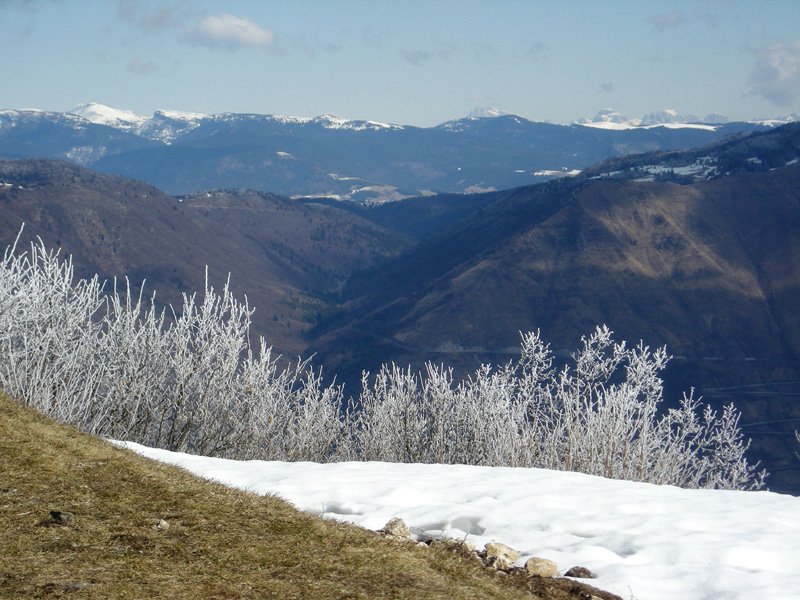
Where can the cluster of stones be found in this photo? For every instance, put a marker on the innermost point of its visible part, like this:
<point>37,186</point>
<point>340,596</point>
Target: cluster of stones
<point>494,555</point>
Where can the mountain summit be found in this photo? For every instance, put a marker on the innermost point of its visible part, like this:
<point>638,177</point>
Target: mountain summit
<point>105,115</point>
<point>486,112</point>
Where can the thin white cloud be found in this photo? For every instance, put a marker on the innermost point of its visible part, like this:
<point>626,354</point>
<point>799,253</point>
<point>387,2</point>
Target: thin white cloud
<point>539,51</point>
<point>142,68</point>
<point>666,21</point>
<point>151,17</point>
<point>372,38</point>
<point>224,30</point>
<point>415,57</point>
<point>707,18</point>
<point>776,75</point>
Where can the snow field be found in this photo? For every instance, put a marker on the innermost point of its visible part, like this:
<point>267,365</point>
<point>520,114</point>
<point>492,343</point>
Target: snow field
<point>644,541</point>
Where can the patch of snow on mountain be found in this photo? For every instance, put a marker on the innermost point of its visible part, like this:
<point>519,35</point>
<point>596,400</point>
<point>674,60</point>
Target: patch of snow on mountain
<point>18,111</point>
<point>703,168</point>
<point>105,115</point>
<point>612,120</point>
<point>686,126</point>
<point>333,122</point>
<point>182,115</point>
<point>457,125</point>
<point>330,121</point>
<point>371,125</point>
<point>608,118</point>
<point>10,118</point>
<point>551,173</point>
<point>290,120</point>
<point>777,121</point>
<point>608,125</point>
<point>486,112</point>
<point>641,540</point>
<point>168,125</point>
<point>84,155</point>
<point>663,117</point>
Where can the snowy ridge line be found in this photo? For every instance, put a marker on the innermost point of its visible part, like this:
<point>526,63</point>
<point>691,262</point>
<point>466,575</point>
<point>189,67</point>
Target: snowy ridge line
<point>641,540</point>
<point>168,125</point>
<point>610,119</point>
<point>182,121</point>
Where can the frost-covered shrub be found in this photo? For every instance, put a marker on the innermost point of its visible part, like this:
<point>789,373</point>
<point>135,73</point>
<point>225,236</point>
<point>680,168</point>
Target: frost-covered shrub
<point>585,419</point>
<point>599,416</point>
<point>47,333</point>
<point>188,379</point>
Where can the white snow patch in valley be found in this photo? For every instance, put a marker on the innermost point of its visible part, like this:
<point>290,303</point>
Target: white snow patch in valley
<point>562,173</point>
<point>633,125</point>
<point>684,126</point>
<point>609,125</point>
<point>643,541</point>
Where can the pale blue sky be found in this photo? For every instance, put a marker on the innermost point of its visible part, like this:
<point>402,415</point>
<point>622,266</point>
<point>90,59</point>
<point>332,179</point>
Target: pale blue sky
<point>408,62</point>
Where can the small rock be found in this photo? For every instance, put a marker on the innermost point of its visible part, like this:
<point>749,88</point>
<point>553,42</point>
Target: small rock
<point>162,525</point>
<point>68,586</point>
<point>62,518</point>
<point>78,586</point>
<point>496,549</point>
<point>396,528</point>
<point>541,567</point>
<point>501,563</point>
<point>580,573</point>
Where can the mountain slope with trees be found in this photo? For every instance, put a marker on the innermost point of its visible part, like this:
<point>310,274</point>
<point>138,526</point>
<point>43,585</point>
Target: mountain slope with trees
<point>285,256</point>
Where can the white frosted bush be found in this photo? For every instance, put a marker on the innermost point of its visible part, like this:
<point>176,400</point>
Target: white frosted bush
<point>47,333</point>
<point>188,379</point>
<point>600,417</point>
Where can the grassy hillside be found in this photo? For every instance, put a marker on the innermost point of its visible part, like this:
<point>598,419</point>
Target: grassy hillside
<point>220,543</point>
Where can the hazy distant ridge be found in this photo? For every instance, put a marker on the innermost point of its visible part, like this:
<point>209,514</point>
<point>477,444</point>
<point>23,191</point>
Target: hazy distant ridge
<point>363,161</point>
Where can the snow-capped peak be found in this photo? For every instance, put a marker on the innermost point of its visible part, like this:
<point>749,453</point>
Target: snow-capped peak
<point>333,122</point>
<point>105,115</point>
<point>164,125</point>
<point>608,118</point>
<point>486,112</point>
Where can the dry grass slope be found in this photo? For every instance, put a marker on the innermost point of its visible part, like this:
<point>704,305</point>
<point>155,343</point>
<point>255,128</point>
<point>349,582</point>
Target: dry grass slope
<point>220,543</point>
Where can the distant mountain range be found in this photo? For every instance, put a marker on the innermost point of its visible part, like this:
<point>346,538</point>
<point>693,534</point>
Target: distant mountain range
<point>363,161</point>
<point>695,248</point>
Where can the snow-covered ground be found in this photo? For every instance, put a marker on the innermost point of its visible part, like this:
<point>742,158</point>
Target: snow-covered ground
<point>644,542</point>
